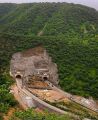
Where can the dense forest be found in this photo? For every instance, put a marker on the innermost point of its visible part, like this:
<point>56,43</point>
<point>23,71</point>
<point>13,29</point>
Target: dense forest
<point>47,19</point>
<point>69,32</point>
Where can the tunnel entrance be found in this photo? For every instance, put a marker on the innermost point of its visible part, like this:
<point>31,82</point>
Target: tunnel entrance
<point>45,78</point>
<point>18,76</point>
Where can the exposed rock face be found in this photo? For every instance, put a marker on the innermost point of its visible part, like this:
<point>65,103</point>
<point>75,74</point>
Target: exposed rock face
<point>36,62</point>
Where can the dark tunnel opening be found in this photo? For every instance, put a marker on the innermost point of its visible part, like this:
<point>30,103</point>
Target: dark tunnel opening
<point>18,76</point>
<point>45,78</point>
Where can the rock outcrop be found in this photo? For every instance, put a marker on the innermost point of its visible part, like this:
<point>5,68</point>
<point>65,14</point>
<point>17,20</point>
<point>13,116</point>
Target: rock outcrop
<point>35,61</point>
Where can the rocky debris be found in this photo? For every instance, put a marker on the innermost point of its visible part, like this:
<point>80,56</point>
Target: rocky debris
<point>35,61</point>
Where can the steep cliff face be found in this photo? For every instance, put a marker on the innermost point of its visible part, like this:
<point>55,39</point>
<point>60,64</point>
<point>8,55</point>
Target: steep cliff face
<point>35,62</point>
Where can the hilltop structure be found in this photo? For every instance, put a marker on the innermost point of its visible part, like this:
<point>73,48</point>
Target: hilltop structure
<point>34,62</point>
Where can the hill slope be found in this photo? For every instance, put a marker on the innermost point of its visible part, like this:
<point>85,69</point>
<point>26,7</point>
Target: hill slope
<point>77,60</point>
<point>47,19</point>
<point>76,27</point>
<point>69,33</point>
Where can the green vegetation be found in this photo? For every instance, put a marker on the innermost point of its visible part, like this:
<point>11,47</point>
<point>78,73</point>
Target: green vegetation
<point>69,33</point>
<point>76,60</point>
<point>32,115</point>
<point>59,19</point>
<point>76,109</point>
<point>6,99</point>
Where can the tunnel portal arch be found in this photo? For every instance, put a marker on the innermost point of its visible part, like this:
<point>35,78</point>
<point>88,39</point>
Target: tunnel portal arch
<point>18,76</point>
